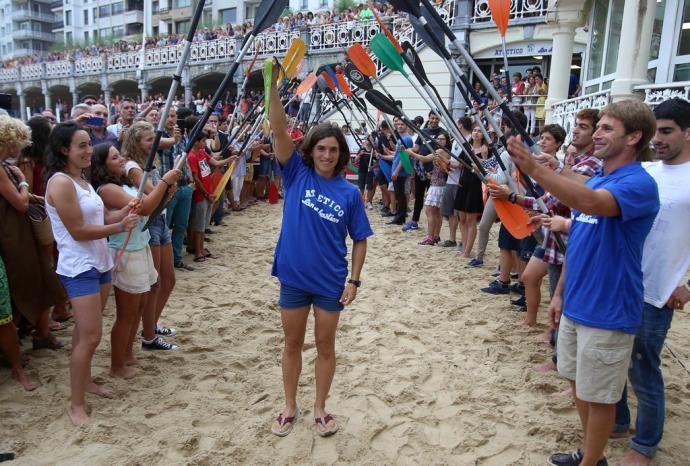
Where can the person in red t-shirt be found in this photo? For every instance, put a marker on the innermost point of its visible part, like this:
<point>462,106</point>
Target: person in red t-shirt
<point>200,163</point>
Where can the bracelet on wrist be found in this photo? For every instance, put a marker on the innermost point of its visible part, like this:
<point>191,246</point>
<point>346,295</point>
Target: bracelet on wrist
<point>512,198</point>
<point>23,184</point>
<point>166,183</point>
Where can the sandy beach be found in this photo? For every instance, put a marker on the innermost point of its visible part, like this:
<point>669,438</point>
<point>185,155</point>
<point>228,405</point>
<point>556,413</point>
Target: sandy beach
<point>430,371</point>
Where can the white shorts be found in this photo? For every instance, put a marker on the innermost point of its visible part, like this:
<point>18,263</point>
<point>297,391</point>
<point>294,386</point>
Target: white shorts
<point>136,273</point>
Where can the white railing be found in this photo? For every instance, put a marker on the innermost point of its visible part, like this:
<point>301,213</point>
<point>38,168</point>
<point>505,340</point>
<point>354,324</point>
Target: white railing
<point>519,9</point>
<point>403,33</point>
<point>88,65</point>
<point>58,69</point>
<point>9,74</point>
<point>654,94</point>
<point>34,71</point>
<point>344,34</point>
<point>127,61</point>
<point>564,112</point>
<point>26,14</point>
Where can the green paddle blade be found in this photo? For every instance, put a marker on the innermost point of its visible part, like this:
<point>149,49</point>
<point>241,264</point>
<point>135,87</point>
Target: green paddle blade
<point>384,49</point>
<point>353,168</point>
<point>406,163</point>
<point>268,76</point>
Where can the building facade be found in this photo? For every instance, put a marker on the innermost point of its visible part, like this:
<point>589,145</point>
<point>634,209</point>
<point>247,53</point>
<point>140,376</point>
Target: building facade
<point>26,27</point>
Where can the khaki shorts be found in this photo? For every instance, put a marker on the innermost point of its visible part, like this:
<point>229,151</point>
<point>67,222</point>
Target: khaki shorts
<point>596,359</point>
<point>136,272</point>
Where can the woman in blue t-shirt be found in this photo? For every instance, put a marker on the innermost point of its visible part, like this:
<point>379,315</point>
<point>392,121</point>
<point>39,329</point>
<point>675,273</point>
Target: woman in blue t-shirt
<point>321,208</point>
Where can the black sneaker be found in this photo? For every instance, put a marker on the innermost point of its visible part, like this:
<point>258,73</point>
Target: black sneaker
<point>158,343</point>
<point>521,301</point>
<point>518,288</point>
<point>571,459</point>
<point>165,331</point>
<point>497,287</point>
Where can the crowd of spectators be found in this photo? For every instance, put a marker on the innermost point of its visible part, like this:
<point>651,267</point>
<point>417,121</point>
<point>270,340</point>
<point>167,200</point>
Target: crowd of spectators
<point>292,21</point>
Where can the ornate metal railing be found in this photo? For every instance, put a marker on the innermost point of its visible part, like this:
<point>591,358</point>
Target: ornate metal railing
<point>519,10</point>
<point>564,112</point>
<point>58,69</point>
<point>318,38</point>
<point>403,32</point>
<point>654,94</point>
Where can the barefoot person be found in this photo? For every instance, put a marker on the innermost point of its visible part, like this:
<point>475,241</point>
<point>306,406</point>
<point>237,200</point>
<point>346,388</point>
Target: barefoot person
<point>80,227</point>
<point>601,283</point>
<point>321,207</point>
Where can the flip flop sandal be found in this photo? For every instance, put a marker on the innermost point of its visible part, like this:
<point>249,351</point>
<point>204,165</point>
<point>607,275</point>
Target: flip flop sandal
<point>56,326</point>
<point>322,422</point>
<point>285,420</point>
<point>200,259</point>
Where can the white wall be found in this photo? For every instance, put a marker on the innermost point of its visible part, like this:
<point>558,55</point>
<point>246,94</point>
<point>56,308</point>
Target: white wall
<point>312,5</point>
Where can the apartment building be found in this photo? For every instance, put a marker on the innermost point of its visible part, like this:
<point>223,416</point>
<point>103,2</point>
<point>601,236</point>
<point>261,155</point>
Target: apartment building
<point>26,27</point>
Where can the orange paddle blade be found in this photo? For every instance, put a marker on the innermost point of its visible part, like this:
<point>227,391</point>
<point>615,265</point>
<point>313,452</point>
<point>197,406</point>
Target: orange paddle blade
<point>513,217</point>
<point>384,28</point>
<point>500,12</point>
<point>307,84</point>
<point>343,85</point>
<point>362,60</point>
<point>329,81</point>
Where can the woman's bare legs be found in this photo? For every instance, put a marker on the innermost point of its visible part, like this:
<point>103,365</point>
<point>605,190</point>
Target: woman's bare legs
<point>121,337</point>
<point>470,227</point>
<point>9,346</point>
<point>532,277</point>
<point>324,331</point>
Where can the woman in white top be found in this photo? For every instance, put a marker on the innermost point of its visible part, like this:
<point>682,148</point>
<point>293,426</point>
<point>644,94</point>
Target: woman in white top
<point>80,225</point>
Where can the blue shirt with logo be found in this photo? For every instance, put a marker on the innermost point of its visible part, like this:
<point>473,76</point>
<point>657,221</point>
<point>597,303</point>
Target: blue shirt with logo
<point>603,278</point>
<point>318,214</point>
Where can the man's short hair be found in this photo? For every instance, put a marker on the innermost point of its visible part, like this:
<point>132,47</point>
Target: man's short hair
<point>419,121</point>
<point>675,109</point>
<point>465,123</point>
<point>591,114</point>
<point>635,116</point>
<point>126,99</point>
<point>519,116</point>
<point>79,109</point>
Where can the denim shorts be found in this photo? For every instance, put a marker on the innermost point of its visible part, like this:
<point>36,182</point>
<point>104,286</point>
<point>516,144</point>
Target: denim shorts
<point>292,298</point>
<point>86,283</point>
<point>160,234</point>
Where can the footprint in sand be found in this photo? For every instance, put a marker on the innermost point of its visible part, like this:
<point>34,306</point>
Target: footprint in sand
<point>411,342</point>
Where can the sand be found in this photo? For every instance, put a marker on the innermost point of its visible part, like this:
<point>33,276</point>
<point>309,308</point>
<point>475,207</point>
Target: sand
<point>430,371</point>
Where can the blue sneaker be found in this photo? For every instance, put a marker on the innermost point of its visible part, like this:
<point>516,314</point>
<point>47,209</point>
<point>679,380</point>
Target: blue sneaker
<point>497,287</point>
<point>474,263</point>
<point>410,226</point>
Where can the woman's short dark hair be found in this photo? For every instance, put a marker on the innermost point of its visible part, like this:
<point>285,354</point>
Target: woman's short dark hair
<point>322,131</point>
<point>40,135</point>
<point>99,170</point>
<point>60,138</point>
<point>556,131</point>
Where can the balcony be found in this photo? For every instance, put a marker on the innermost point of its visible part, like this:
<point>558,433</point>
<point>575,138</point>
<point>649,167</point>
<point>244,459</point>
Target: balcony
<point>521,12</point>
<point>29,34</point>
<point>27,15</point>
<point>133,17</point>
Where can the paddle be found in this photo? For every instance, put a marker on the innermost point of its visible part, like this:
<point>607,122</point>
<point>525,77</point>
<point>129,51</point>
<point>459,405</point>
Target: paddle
<point>359,79</point>
<point>384,28</point>
<point>240,94</point>
<point>292,59</point>
<point>500,12</point>
<point>172,92</point>
<point>268,72</point>
<point>513,217</point>
<point>306,84</point>
<point>328,86</point>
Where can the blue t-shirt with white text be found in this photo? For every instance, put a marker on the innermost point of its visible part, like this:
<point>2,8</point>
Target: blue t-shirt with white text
<point>318,214</point>
<point>603,278</point>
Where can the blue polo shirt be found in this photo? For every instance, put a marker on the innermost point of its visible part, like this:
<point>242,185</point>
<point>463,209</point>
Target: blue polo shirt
<point>603,278</point>
<point>318,214</point>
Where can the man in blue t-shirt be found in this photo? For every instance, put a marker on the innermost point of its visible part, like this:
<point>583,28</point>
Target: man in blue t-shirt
<point>601,293</point>
<point>399,175</point>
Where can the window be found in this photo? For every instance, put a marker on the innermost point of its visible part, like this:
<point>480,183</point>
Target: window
<point>68,37</point>
<point>614,38</point>
<point>68,18</point>
<point>229,15</point>
<point>104,11</point>
<point>118,31</point>
<point>154,8</point>
<point>684,39</point>
<point>94,13</point>
<point>181,27</point>
<point>86,17</point>
<point>656,30</point>
<point>86,37</point>
<point>104,32</point>
<point>305,5</point>
<point>183,4</point>
<point>118,8</point>
<point>596,49</point>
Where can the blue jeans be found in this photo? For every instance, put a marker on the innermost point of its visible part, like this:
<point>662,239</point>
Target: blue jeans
<point>646,379</point>
<point>177,215</point>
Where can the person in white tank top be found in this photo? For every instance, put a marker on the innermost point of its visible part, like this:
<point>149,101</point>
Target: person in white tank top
<point>80,225</point>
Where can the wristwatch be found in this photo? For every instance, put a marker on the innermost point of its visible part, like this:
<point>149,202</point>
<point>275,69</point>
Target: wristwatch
<point>357,283</point>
